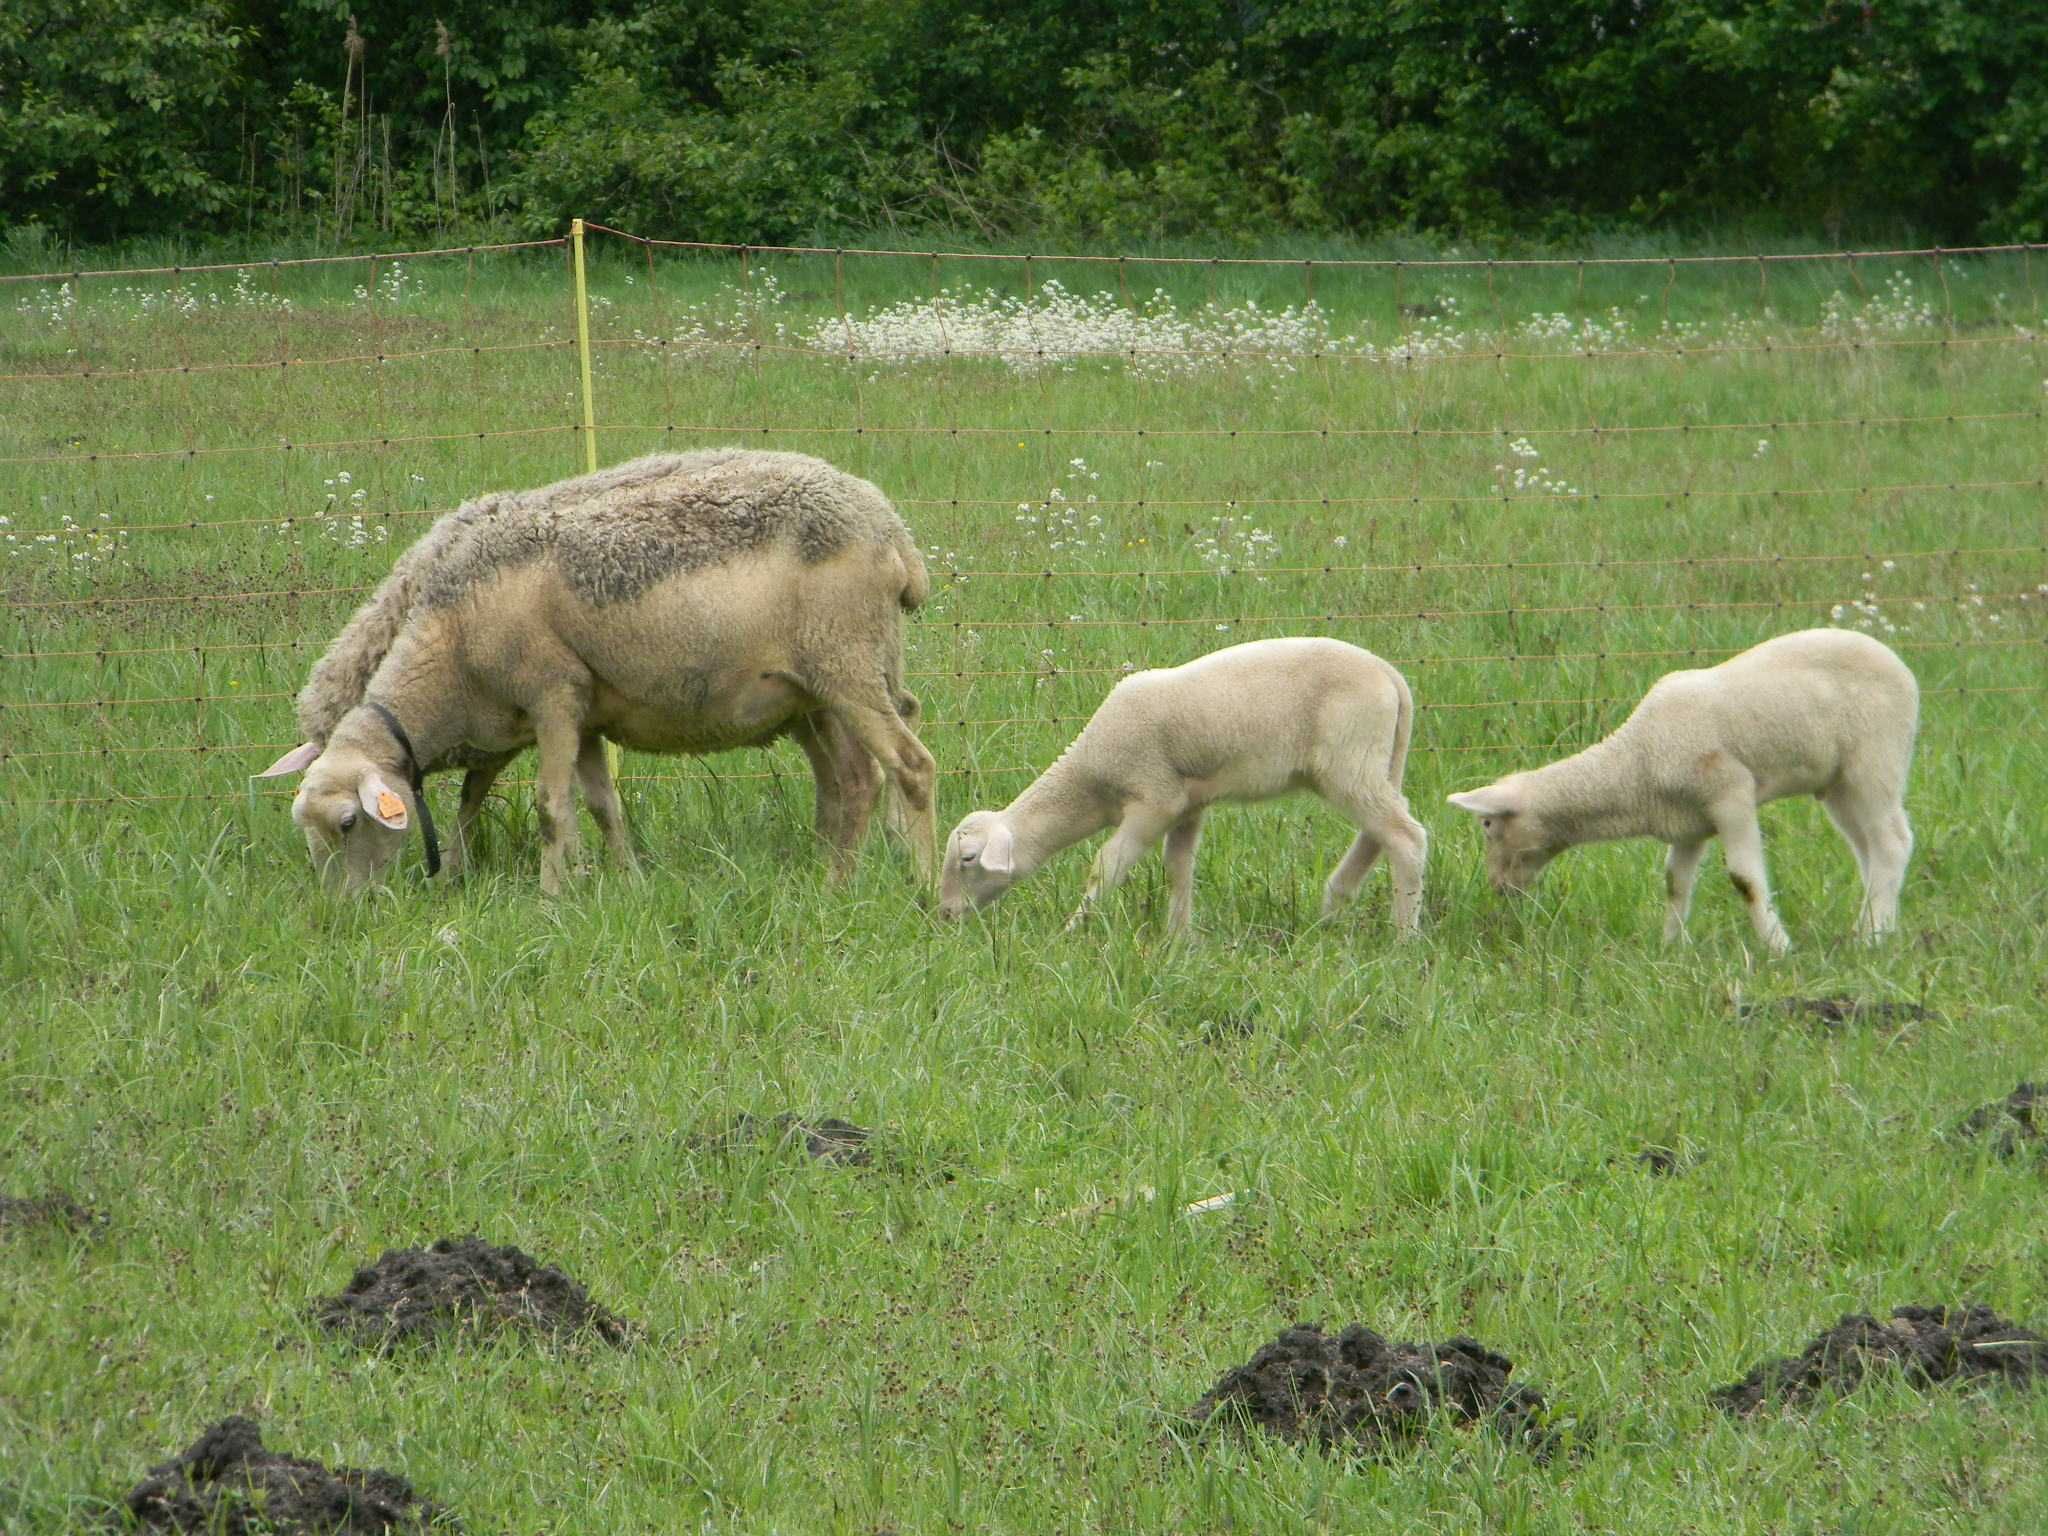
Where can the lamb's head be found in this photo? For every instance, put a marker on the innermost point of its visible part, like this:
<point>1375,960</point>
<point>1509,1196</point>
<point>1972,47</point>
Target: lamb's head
<point>1518,845</point>
<point>981,863</point>
<point>353,810</point>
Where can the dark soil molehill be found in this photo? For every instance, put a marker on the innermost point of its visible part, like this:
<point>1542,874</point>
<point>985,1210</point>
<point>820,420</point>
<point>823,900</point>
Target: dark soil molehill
<point>1839,1012</point>
<point>827,1140</point>
<point>2016,1123</point>
<point>1663,1161</point>
<point>51,1210</point>
<point>463,1283</point>
<point>1925,1344</point>
<point>1356,1390</point>
<point>227,1484</point>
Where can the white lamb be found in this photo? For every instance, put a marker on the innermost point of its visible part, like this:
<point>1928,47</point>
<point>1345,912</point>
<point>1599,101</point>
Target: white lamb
<point>1246,723</point>
<point>1824,712</point>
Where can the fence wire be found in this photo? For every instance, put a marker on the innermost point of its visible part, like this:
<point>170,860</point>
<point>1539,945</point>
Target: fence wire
<point>1532,484</point>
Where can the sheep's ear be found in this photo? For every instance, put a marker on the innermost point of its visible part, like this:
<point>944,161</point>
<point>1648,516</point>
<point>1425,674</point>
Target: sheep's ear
<point>999,853</point>
<point>1490,801</point>
<point>384,804</point>
<point>295,761</point>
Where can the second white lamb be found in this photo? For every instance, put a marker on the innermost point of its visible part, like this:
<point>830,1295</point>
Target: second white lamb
<point>1250,722</point>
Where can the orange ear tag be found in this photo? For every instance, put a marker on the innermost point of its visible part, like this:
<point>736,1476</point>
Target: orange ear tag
<point>390,807</point>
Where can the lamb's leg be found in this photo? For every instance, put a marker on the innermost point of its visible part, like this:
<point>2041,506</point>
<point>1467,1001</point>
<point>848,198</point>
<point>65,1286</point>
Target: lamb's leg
<point>1681,872</point>
<point>554,807</point>
<point>1142,827</point>
<point>601,794</point>
<point>1182,838</point>
<point>1350,872</point>
<point>476,787</point>
<point>1742,846</point>
<point>1382,829</point>
<point>1407,846</point>
<point>1874,825</point>
<point>1890,839</point>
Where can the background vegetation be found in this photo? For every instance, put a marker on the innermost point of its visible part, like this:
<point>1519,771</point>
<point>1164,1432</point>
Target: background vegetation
<point>367,121</point>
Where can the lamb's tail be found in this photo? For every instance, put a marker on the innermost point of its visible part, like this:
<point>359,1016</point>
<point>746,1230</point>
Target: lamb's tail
<point>342,676</point>
<point>1404,727</point>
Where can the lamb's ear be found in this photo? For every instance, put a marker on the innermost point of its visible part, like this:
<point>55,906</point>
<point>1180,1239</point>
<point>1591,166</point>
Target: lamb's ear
<point>1490,801</point>
<point>385,805</point>
<point>999,853</point>
<point>295,761</point>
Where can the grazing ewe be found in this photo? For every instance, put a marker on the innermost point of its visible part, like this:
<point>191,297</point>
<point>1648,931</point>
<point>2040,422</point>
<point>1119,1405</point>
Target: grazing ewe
<point>678,603</point>
<point>1824,712</point>
<point>1246,723</point>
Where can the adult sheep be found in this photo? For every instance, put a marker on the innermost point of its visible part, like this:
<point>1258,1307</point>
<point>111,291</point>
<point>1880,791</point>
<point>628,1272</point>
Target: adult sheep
<point>687,603</point>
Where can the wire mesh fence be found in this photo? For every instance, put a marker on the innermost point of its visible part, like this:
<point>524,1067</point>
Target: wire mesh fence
<point>1533,485</point>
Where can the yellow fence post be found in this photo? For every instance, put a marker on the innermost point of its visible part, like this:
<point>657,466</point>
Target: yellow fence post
<point>583,349</point>
<point>611,748</point>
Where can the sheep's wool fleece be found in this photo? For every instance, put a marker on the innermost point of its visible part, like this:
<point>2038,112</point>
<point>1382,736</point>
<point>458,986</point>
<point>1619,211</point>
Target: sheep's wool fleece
<point>614,534</point>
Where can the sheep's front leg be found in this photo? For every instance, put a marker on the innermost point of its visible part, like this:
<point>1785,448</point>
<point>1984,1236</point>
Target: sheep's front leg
<point>601,794</point>
<point>1134,837</point>
<point>476,786</point>
<point>1681,871</point>
<point>1182,839</point>
<point>1742,845</point>
<point>553,805</point>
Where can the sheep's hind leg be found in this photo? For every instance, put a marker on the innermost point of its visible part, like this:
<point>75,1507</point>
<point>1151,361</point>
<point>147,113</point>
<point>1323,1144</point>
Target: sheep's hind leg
<point>1134,837</point>
<point>601,794</point>
<point>553,802</point>
<point>1742,846</point>
<point>1681,873</point>
<point>1182,838</point>
<point>912,773</point>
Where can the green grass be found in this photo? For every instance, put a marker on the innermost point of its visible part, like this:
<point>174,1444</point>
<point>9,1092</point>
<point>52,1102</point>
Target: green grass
<point>263,1089</point>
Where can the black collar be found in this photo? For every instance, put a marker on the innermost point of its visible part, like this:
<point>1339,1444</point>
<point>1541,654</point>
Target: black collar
<point>418,782</point>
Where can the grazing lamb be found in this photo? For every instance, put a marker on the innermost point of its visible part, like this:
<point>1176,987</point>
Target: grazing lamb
<point>1824,712</point>
<point>1245,723</point>
<point>678,603</point>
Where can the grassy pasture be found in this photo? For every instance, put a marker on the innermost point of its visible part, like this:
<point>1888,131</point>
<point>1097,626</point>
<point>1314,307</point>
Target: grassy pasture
<point>262,1089</point>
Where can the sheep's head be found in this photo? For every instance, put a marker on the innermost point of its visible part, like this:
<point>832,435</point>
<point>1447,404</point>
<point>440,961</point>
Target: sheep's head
<point>353,811</point>
<point>981,863</point>
<point>1517,846</point>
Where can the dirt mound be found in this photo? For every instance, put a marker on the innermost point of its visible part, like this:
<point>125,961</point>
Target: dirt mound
<point>463,1283</point>
<point>1356,1390</point>
<point>1925,1344</point>
<point>227,1484</point>
<point>827,1140</point>
<point>51,1210</point>
<point>1663,1161</point>
<point>1838,1012</point>
<point>2016,1123</point>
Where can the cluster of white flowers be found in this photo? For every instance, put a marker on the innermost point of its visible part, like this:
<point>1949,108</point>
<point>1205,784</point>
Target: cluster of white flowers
<point>732,316</point>
<point>343,519</point>
<point>74,543</point>
<point>395,284</point>
<point>1232,546</point>
<point>1056,328</point>
<point>1613,332</point>
<point>1865,612</point>
<point>1065,523</point>
<point>1527,475</point>
<point>1893,312</point>
<point>60,305</point>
